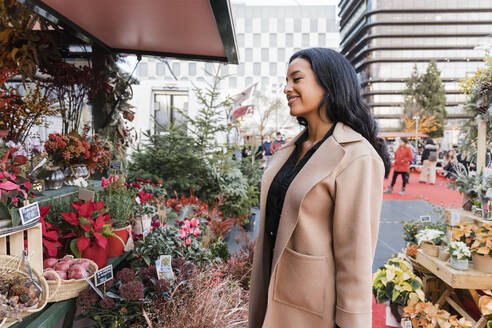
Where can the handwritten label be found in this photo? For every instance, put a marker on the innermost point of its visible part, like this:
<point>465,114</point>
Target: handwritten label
<point>164,268</point>
<point>86,195</point>
<point>115,165</point>
<point>425,218</point>
<point>29,213</point>
<point>103,275</point>
<point>455,218</point>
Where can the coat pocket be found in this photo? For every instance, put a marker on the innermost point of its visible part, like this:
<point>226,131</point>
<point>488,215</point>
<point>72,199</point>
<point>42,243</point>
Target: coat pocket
<point>300,281</point>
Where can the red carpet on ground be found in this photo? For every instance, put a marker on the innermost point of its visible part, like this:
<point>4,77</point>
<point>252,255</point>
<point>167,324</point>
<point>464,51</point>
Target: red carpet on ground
<point>437,194</point>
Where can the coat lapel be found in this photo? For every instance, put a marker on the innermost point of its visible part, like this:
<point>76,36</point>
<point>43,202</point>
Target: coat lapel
<point>319,166</point>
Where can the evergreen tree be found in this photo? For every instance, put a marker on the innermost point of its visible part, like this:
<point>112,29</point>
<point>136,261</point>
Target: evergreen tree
<point>425,95</point>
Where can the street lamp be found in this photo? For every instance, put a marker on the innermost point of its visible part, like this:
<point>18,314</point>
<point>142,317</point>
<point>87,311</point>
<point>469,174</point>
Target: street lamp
<point>416,118</point>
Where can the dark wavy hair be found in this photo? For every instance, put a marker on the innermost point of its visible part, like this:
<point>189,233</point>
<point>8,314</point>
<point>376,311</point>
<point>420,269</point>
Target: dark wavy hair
<point>342,98</point>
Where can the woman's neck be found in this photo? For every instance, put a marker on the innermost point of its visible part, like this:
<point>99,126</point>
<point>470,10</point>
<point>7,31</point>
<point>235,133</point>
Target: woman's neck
<point>317,130</point>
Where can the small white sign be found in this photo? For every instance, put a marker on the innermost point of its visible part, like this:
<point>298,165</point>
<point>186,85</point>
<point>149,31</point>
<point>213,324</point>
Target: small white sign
<point>29,213</point>
<point>425,218</point>
<point>86,195</point>
<point>103,275</point>
<point>164,268</point>
<point>455,218</point>
<point>98,292</point>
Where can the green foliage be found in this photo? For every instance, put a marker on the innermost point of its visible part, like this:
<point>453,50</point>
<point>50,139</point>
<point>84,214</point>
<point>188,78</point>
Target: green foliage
<point>175,159</point>
<point>59,205</point>
<point>219,250</point>
<point>427,90</point>
<point>119,202</point>
<point>166,241</point>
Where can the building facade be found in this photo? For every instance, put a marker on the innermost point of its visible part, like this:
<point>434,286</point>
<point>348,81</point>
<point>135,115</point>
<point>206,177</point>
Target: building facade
<point>384,39</point>
<point>266,36</point>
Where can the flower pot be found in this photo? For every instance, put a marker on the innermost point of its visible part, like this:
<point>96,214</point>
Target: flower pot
<point>443,253</point>
<point>115,246</point>
<point>430,249</point>
<point>482,263</point>
<point>54,179</point>
<point>458,264</point>
<point>392,314</point>
<point>142,225</point>
<point>97,254</point>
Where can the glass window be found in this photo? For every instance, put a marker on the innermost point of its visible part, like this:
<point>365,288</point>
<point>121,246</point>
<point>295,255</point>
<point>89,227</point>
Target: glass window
<point>224,70</point>
<point>281,25</point>
<point>297,25</point>
<point>264,24</point>
<point>305,39</point>
<point>143,69</point>
<point>240,69</point>
<point>264,54</point>
<point>232,82</point>
<point>256,40</point>
<point>176,69</point>
<point>289,40</point>
<point>240,39</point>
<point>249,81</point>
<point>273,69</point>
<point>265,82</point>
<point>313,25</point>
<point>209,67</point>
<point>273,40</point>
<point>160,69</point>
<point>192,69</point>
<point>281,54</point>
<point>249,54</point>
<point>257,69</point>
<point>165,109</point>
<point>248,25</point>
<point>321,39</point>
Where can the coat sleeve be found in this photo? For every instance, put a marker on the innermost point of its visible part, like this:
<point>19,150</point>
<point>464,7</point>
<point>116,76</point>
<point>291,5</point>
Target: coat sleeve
<point>358,198</point>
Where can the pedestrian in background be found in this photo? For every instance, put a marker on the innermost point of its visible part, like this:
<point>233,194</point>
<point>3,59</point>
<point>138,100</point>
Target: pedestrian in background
<point>403,157</point>
<point>267,150</point>
<point>429,161</point>
<point>277,143</point>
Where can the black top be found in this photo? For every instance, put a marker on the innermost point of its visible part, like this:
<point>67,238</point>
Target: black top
<point>282,181</point>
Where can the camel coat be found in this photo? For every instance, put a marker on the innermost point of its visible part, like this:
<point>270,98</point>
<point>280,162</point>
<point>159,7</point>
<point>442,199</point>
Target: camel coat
<point>321,271</point>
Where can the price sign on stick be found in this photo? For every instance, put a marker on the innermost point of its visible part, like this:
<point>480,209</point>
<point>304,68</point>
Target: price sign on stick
<point>115,165</point>
<point>29,213</point>
<point>103,275</point>
<point>425,218</point>
<point>86,195</point>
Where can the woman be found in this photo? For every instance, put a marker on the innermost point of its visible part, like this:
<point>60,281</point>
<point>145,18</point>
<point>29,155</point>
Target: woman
<point>449,164</point>
<point>429,162</point>
<point>403,157</point>
<point>320,204</point>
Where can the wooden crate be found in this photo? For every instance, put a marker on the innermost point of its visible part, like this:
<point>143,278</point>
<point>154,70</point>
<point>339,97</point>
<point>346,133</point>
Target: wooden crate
<point>465,216</point>
<point>12,243</point>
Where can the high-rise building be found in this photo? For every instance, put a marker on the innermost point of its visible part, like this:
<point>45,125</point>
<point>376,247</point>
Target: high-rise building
<point>384,39</point>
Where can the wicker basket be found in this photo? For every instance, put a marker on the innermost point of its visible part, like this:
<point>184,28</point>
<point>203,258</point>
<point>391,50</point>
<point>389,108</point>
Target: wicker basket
<point>10,264</point>
<point>429,248</point>
<point>70,288</point>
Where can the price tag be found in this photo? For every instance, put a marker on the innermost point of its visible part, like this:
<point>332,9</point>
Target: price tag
<point>455,218</point>
<point>405,323</point>
<point>103,275</point>
<point>164,268</point>
<point>115,165</point>
<point>29,213</point>
<point>425,218</point>
<point>86,195</point>
<point>98,292</point>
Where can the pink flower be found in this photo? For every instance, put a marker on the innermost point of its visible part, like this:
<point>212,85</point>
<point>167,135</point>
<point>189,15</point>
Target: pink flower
<point>194,222</point>
<point>105,182</point>
<point>187,226</point>
<point>196,232</point>
<point>188,241</point>
<point>182,234</point>
<point>15,200</point>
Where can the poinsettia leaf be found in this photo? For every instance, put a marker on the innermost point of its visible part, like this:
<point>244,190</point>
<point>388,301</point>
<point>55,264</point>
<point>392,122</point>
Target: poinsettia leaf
<point>99,205</point>
<point>53,235</point>
<point>70,235</point>
<point>71,218</point>
<point>20,159</point>
<point>86,227</point>
<point>8,185</point>
<point>100,240</point>
<point>82,243</point>
<point>51,249</point>
<point>73,248</point>
<point>86,209</point>
<point>43,211</point>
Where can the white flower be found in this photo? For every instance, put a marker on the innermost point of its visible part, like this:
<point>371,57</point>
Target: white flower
<point>459,250</point>
<point>429,235</point>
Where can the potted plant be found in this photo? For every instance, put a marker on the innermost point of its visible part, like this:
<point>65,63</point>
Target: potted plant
<point>87,231</point>
<point>118,202</point>
<point>463,231</point>
<point>397,285</point>
<point>459,255</point>
<point>430,240</point>
<point>426,314</point>
<point>481,248</point>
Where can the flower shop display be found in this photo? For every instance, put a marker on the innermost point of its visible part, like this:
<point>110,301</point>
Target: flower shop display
<point>429,240</point>
<point>459,255</point>
<point>481,248</point>
<point>119,203</point>
<point>428,315</point>
<point>463,231</point>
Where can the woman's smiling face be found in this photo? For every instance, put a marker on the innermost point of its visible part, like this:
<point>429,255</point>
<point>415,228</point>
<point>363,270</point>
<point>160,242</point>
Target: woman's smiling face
<point>304,94</point>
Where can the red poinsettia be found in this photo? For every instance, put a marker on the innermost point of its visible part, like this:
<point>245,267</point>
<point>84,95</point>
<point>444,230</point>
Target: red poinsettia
<point>50,234</point>
<point>90,224</point>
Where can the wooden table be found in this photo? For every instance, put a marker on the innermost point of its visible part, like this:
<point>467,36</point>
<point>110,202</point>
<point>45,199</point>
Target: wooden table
<point>456,279</point>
